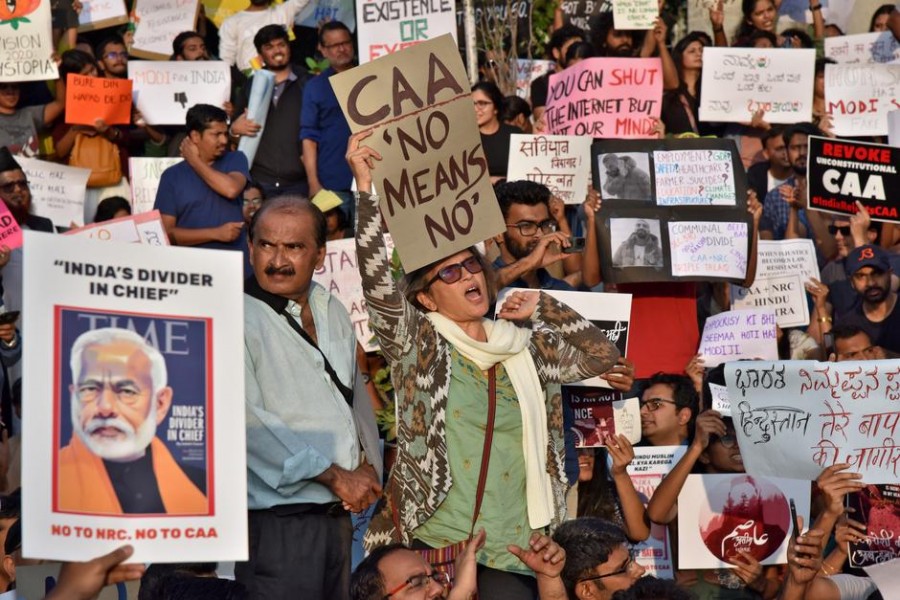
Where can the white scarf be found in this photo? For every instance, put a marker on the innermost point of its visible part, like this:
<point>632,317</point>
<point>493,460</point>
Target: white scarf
<point>508,344</point>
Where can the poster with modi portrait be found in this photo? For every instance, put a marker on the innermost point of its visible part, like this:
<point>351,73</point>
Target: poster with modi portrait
<point>137,434</point>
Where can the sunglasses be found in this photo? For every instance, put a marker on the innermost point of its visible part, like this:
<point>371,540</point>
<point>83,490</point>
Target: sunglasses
<point>845,230</point>
<point>9,187</point>
<point>452,273</point>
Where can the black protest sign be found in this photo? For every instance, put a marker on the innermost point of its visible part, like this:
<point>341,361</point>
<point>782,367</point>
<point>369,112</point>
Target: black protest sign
<point>842,172</point>
<point>673,210</point>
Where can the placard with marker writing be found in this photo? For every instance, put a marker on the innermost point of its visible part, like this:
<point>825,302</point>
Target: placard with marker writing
<point>340,276</point>
<point>165,90</point>
<point>387,26</point>
<point>26,53</point>
<point>99,14</point>
<point>145,172</point>
<point>859,97</point>
<point>158,22</point>
<point>560,162</point>
<point>635,14</point>
<point>865,48</point>
<point>91,98</point>
<point>738,334</point>
<point>57,191</point>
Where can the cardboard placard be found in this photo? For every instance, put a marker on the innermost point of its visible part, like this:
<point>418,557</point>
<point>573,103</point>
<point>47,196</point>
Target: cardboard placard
<point>859,97</point>
<point>560,162</point>
<point>388,26</point>
<point>186,321</point>
<point>865,48</point>
<point>57,191</point>
<point>436,195</point>
<point>722,515</point>
<point>340,276</point>
<point>145,173</point>
<point>635,14</point>
<point>739,334</point>
<point>841,172</point>
<point>605,98</point>
<point>100,14</point>
<point>92,98</point>
<point>783,267</point>
<point>165,90</point>
<point>158,22</point>
<point>696,187</point>
<point>795,418</point>
<point>529,70</point>
<point>737,82</point>
<point>27,49</point>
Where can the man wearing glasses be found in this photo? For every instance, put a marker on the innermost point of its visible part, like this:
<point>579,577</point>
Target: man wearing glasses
<point>669,405</point>
<point>113,57</point>
<point>533,238</point>
<point>599,561</point>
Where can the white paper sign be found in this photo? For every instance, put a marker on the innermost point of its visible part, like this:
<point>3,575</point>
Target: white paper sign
<point>158,22</point>
<point>708,248</point>
<point>859,97</point>
<point>164,90</point>
<point>863,48</point>
<point>185,307</point>
<point>387,26</point>
<point>150,228</point>
<point>57,191</point>
<point>795,418</point>
<point>635,14</point>
<point>722,515</point>
<point>886,576</point>
<point>720,401</point>
<point>27,48</point>
<point>97,14</point>
<point>340,276</point>
<point>694,177</point>
<point>650,465</point>
<point>529,70</point>
<point>738,334</point>
<point>560,162</point>
<point>145,228</point>
<point>740,81</point>
<point>145,174</point>
<point>783,267</point>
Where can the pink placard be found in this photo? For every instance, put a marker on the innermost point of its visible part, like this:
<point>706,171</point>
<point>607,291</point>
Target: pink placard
<point>606,98</point>
<point>10,232</point>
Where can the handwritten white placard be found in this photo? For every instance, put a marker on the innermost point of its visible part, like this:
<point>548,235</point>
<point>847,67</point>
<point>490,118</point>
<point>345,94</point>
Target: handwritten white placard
<point>560,162</point>
<point>165,90</point>
<point>340,276</point>
<point>97,14</point>
<point>635,14</point>
<point>719,397</point>
<point>863,48</point>
<point>740,81</point>
<point>57,191</point>
<point>795,418</point>
<point>385,27</point>
<point>145,228</point>
<point>738,334</point>
<point>708,248</point>
<point>27,48</point>
<point>158,22</point>
<point>694,177</point>
<point>145,173</point>
<point>859,97</point>
<point>529,70</point>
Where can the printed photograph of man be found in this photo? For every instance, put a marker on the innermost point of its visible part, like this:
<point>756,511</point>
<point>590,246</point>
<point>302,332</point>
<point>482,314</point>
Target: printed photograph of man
<point>114,463</point>
<point>636,242</point>
<point>625,176</point>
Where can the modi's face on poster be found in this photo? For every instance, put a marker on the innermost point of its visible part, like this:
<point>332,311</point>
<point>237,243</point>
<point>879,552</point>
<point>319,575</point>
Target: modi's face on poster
<point>115,407</point>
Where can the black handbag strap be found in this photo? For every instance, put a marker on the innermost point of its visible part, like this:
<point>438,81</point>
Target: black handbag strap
<point>279,305</point>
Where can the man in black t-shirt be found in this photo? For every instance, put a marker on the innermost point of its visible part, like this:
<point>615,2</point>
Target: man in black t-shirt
<point>875,311</point>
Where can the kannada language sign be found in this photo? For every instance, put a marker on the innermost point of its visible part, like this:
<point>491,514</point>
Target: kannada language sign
<point>738,82</point>
<point>27,48</point>
<point>145,174</point>
<point>387,26</point>
<point>859,97</point>
<point>795,418</point>
<point>863,48</point>
<point>606,98</point>
<point>91,98</point>
<point>339,275</point>
<point>436,194</point>
<point>158,22</point>
<point>560,162</point>
<point>165,90</point>
<point>183,322</point>
<point>841,173</point>
<point>738,334</point>
<point>57,191</point>
<point>783,267</point>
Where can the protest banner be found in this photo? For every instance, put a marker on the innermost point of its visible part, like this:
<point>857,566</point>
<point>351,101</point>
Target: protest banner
<point>795,418</point>
<point>606,98</point>
<point>145,173</point>
<point>865,48</point>
<point>388,26</point>
<point>436,195</point>
<point>27,48</point>
<point>840,173</point>
<point>698,187</point>
<point>340,276</point>
<point>145,228</point>
<point>739,334</point>
<point>650,465</point>
<point>57,191</point>
<point>783,267</point>
<point>560,162</point>
<point>635,14</point>
<point>722,515</point>
<point>527,70</point>
<point>92,98</point>
<point>165,90</point>
<point>737,82</point>
<point>878,508</point>
<point>185,323</point>
<point>859,97</point>
<point>100,14</point>
<point>886,577</point>
<point>158,22</point>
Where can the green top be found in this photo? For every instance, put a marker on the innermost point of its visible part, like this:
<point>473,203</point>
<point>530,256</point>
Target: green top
<point>504,514</point>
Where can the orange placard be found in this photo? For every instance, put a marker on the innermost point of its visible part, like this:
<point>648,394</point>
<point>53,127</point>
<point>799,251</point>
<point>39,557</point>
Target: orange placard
<point>92,98</point>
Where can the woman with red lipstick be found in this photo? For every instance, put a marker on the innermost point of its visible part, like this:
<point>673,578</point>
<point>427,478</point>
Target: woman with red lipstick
<point>452,368</point>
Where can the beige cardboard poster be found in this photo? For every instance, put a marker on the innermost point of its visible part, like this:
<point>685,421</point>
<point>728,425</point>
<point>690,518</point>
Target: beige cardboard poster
<point>436,195</point>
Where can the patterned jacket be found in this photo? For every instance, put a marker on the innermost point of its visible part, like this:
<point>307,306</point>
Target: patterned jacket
<point>565,348</point>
